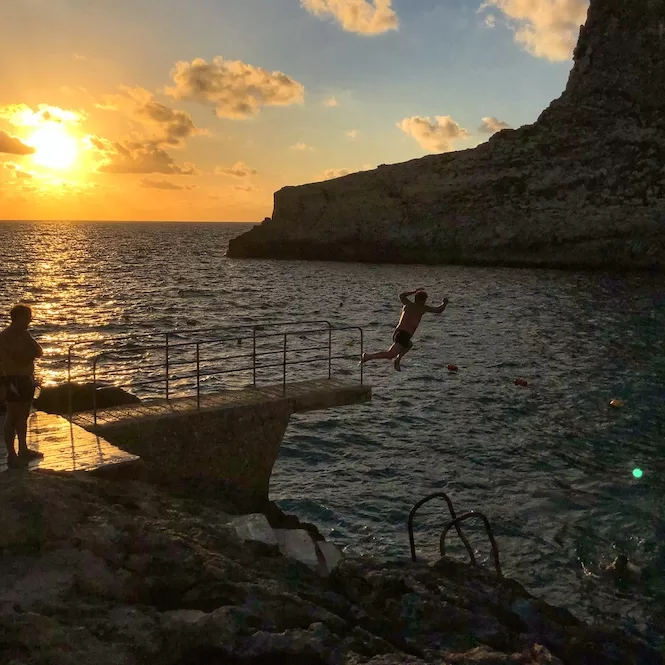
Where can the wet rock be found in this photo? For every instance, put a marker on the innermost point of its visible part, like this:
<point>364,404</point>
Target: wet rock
<point>175,585</point>
<point>55,399</point>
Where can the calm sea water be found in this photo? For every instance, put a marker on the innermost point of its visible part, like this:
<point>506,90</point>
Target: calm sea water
<point>551,465</point>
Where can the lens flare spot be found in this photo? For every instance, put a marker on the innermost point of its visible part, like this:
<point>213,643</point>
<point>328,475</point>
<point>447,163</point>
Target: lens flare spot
<point>637,473</point>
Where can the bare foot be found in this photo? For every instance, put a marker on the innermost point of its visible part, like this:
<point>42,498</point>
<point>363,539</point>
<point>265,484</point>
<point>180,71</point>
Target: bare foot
<point>397,365</point>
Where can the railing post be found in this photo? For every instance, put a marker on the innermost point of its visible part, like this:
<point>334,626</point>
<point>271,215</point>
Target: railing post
<point>329,352</point>
<point>69,382</point>
<point>198,378</point>
<point>254,356</point>
<point>284,368</point>
<point>362,353</point>
<point>94,391</point>
<point>166,366</point>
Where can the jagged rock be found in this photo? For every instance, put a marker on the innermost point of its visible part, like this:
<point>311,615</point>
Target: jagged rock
<point>581,187</point>
<point>55,399</point>
<point>173,584</point>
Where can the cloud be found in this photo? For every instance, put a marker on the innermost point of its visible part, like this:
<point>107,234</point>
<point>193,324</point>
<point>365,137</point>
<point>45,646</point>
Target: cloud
<point>491,125</point>
<point>330,174</point>
<point>130,156</point>
<point>238,170</point>
<point>364,17</point>
<point>14,146</point>
<point>22,115</point>
<point>331,103</point>
<point>236,90</point>
<point>302,147</point>
<point>490,21</point>
<point>436,135</point>
<point>353,134</point>
<point>17,170</point>
<point>170,127</point>
<point>245,188</point>
<point>545,28</point>
<point>163,184</point>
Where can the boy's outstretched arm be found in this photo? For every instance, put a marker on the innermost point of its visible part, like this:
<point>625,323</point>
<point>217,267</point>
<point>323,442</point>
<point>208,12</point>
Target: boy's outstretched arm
<point>403,297</point>
<point>439,309</point>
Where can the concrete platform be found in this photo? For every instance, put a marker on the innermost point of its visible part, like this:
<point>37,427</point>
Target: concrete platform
<point>302,395</point>
<point>66,446</point>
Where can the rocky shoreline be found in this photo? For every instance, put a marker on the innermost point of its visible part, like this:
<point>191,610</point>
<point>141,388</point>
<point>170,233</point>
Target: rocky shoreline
<point>121,572</point>
<point>583,187</point>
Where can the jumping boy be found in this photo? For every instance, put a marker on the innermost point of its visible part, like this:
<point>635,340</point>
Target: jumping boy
<point>412,313</point>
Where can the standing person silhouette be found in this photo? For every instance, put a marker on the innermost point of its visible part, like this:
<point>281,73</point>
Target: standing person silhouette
<point>18,352</point>
<point>412,313</point>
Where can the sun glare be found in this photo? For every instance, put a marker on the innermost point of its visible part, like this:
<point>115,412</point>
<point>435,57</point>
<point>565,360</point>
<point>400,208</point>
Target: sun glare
<point>54,147</point>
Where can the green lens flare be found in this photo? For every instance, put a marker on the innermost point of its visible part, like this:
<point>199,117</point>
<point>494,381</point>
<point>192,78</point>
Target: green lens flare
<point>637,473</point>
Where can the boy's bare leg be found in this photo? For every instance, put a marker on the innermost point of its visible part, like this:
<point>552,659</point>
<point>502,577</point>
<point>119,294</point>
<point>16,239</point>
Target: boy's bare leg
<point>388,355</point>
<point>401,355</point>
<point>10,434</point>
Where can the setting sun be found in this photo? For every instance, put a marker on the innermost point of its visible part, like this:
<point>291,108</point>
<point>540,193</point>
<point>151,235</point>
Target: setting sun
<point>55,147</point>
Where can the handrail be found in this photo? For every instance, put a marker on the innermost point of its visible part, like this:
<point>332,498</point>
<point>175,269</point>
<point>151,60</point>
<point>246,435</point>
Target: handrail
<point>203,364</point>
<point>456,521</point>
<point>436,495</point>
<point>170,333</point>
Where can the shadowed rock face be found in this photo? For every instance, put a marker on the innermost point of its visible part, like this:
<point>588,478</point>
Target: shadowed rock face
<point>125,573</point>
<point>584,186</point>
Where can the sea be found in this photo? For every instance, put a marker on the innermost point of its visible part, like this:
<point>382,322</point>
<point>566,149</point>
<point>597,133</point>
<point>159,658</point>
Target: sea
<point>567,481</point>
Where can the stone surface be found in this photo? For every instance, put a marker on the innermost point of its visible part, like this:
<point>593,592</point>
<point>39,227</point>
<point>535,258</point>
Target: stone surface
<point>71,592</point>
<point>255,528</point>
<point>584,186</point>
<point>66,446</point>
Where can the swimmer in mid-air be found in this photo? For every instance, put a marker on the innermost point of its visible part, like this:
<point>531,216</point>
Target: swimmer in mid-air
<point>412,313</point>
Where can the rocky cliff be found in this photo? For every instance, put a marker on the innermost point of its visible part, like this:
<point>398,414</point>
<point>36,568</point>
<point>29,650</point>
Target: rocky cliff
<point>123,573</point>
<point>584,186</point>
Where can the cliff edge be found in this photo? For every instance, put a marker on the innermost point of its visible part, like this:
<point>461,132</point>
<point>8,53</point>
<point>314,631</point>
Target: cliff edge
<point>584,186</point>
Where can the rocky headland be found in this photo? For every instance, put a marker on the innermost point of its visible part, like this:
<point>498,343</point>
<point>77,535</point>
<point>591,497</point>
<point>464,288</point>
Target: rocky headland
<point>120,572</point>
<point>582,187</point>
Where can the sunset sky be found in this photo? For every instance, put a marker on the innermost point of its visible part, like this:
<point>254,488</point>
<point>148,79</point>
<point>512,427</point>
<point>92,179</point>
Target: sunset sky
<point>201,109</point>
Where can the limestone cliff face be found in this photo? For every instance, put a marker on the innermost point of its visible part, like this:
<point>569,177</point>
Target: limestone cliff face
<point>584,186</point>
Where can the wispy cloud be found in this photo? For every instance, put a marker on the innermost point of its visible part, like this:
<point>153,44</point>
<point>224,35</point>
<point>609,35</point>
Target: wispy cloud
<point>238,170</point>
<point>545,28</point>
<point>331,102</point>
<point>167,126</point>
<point>235,89</point>
<point>364,17</point>
<point>491,125</point>
<point>163,184</point>
<point>438,135</point>
<point>302,147</point>
<point>352,134</point>
<point>12,145</point>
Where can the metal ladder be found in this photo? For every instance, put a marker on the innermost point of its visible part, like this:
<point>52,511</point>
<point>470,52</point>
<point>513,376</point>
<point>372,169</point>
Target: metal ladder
<point>455,522</point>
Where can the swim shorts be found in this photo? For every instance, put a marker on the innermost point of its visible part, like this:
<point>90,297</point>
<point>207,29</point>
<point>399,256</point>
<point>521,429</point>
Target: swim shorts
<point>18,388</point>
<point>403,338</point>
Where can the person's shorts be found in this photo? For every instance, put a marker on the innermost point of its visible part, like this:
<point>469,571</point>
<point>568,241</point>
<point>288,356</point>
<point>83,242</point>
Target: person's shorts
<point>403,338</point>
<point>18,388</point>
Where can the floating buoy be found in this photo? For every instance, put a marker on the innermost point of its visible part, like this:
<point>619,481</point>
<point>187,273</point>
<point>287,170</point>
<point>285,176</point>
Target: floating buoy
<point>616,403</point>
<point>452,368</point>
<point>521,382</point>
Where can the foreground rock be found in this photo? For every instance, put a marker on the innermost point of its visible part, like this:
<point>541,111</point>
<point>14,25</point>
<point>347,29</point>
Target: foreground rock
<point>582,187</point>
<point>102,572</point>
<point>84,397</point>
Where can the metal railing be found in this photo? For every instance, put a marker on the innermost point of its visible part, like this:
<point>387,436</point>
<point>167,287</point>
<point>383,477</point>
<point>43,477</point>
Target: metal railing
<point>198,363</point>
<point>455,522</point>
